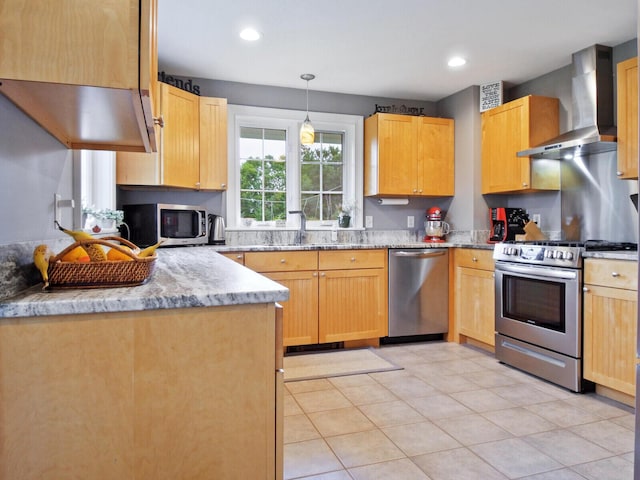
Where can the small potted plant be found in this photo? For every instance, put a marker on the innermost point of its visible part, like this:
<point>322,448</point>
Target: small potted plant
<point>344,218</point>
<point>103,219</point>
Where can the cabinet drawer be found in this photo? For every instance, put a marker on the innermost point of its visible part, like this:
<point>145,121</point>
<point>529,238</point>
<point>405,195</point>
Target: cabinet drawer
<point>474,258</point>
<point>347,259</point>
<point>281,261</point>
<point>611,273</point>
<point>235,256</point>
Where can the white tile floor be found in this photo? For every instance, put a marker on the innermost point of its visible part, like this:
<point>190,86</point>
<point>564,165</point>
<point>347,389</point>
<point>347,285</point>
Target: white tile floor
<point>453,413</point>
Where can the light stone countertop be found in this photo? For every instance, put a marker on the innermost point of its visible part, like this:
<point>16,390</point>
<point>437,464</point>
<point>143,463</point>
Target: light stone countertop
<point>182,278</point>
<point>198,277</point>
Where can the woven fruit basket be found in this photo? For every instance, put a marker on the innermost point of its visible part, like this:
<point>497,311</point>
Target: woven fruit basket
<point>132,270</point>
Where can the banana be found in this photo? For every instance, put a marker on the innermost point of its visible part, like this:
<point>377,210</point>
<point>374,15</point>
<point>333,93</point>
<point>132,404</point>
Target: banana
<point>147,252</point>
<point>96,252</point>
<point>41,256</point>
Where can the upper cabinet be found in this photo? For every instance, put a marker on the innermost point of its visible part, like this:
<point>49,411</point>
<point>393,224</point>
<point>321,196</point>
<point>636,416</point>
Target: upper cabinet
<point>193,145</point>
<point>628,118</point>
<point>515,126</point>
<point>408,155</point>
<point>85,71</point>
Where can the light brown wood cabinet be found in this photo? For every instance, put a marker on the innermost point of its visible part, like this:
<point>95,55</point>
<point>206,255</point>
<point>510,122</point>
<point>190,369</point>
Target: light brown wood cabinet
<point>193,145</point>
<point>628,119</point>
<point>408,155</point>
<point>163,394</point>
<point>62,57</point>
<point>510,128</point>
<point>474,295</point>
<point>610,323</point>
<point>338,295</point>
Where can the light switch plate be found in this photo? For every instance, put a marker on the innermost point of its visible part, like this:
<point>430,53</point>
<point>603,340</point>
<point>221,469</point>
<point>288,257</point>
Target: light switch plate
<point>410,221</point>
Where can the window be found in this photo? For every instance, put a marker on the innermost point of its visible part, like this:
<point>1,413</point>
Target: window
<point>270,173</point>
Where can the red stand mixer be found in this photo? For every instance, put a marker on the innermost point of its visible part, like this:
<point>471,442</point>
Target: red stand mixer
<point>434,227</point>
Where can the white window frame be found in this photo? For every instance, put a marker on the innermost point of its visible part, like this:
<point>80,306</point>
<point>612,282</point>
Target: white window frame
<point>352,126</point>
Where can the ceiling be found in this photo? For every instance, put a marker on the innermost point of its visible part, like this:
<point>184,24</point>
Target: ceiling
<point>384,48</point>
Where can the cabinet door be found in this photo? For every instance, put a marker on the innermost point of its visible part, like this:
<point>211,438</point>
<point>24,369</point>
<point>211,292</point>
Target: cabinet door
<point>213,143</point>
<point>435,160</point>
<point>503,135</point>
<point>300,312</point>
<point>628,118</point>
<point>180,151</point>
<point>177,162</point>
<point>397,151</point>
<point>352,305</point>
<point>610,326</point>
<point>475,304</point>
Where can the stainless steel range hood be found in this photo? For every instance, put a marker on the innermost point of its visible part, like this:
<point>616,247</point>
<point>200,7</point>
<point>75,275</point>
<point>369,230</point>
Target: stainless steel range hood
<point>592,109</point>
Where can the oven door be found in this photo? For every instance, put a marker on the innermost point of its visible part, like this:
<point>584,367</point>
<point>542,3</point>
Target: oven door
<point>540,305</point>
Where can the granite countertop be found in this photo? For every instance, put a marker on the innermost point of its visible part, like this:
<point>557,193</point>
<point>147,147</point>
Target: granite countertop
<point>182,278</point>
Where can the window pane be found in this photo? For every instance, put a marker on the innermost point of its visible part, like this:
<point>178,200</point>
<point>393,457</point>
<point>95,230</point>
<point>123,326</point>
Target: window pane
<point>332,178</point>
<point>251,175</point>
<point>275,176</point>
<point>251,205</point>
<point>310,177</point>
<point>275,206</point>
<point>311,206</point>
<point>332,206</point>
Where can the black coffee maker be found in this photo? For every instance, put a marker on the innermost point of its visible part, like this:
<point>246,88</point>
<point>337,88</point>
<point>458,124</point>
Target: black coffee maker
<point>506,223</point>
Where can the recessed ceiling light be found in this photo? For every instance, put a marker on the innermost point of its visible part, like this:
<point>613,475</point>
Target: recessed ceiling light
<point>456,62</point>
<point>250,34</point>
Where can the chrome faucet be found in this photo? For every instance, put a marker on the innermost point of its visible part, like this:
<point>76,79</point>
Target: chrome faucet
<point>302,233</point>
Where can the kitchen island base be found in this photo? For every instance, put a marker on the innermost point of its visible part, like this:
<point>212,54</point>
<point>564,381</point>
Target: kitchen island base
<point>155,394</point>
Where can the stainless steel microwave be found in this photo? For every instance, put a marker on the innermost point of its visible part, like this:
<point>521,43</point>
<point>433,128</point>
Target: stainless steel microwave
<point>175,224</point>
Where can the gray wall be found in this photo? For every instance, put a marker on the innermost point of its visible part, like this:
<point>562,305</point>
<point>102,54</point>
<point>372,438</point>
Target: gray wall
<point>33,167</point>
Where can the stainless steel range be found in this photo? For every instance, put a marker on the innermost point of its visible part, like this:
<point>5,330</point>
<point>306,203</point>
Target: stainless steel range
<point>538,307</point>
<point>539,310</point>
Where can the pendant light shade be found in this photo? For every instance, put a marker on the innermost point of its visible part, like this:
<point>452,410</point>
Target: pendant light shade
<point>307,132</point>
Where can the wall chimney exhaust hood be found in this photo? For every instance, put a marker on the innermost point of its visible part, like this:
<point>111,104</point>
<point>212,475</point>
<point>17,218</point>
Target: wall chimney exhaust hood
<point>592,109</point>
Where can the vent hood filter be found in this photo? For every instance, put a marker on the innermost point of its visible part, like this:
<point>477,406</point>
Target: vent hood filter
<point>592,109</point>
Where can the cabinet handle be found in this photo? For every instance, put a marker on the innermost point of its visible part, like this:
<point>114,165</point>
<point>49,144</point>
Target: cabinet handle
<point>353,259</point>
<point>323,274</point>
<point>415,190</point>
<point>223,185</point>
<point>525,184</point>
<point>420,191</point>
<point>282,260</point>
<point>619,173</point>
<point>315,274</point>
<point>474,259</point>
<point>158,121</point>
<point>585,289</point>
<point>239,257</point>
<point>615,274</point>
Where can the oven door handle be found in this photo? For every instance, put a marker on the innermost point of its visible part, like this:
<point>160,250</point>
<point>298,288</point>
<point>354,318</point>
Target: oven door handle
<point>534,272</point>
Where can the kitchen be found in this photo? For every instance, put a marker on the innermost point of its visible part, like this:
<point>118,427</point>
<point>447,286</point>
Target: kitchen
<point>53,176</point>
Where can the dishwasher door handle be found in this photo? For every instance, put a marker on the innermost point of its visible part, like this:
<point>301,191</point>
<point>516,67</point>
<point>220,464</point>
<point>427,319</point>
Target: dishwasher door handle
<point>420,254</point>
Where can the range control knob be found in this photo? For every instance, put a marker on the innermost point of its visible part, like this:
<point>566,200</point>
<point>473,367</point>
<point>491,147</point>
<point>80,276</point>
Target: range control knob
<point>568,255</point>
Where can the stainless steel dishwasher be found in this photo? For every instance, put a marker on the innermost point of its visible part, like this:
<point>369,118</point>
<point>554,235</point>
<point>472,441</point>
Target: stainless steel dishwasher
<point>418,291</point>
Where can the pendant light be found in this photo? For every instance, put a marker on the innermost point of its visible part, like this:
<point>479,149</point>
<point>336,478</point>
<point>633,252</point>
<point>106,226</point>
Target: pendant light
<point>307,133</point>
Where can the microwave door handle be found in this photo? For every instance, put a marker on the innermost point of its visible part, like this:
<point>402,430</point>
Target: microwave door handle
<point>202,225</point>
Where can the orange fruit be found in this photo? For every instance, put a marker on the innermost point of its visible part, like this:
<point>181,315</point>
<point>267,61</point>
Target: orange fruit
<point>114,254</point>
<point>74,255</point>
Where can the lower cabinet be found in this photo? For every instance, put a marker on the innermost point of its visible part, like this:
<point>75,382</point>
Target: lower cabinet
<point>155,394</point>
<point>610,323</point>
<point>474,297</point>
<point>337,295</point>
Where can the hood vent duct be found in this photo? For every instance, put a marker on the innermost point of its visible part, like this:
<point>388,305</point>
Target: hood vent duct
<point>592,109</point>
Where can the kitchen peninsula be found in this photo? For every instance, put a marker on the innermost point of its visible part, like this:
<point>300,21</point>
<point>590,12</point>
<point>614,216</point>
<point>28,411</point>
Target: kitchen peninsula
<point>176,378</point>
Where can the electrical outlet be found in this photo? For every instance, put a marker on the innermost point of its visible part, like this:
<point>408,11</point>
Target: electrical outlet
<point>410,221</point>
<point>368,221</point>
<point>535,218</point>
